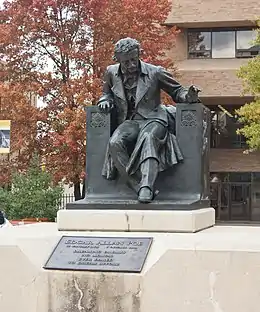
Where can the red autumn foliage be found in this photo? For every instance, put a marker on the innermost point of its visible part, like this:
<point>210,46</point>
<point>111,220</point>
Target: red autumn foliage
<point>16,106</point>
<point>62,47</point>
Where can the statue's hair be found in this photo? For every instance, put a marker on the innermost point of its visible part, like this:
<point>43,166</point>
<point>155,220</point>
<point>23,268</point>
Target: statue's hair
<point>124,46</point>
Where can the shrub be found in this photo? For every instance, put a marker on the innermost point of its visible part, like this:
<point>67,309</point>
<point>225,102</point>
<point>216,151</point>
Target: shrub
<point>32,195</point>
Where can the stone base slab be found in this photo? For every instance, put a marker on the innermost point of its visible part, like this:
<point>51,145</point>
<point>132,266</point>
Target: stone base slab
<point>136,220</point>
<point>201,272</point>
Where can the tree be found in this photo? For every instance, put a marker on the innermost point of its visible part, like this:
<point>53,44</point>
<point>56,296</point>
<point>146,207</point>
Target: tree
<point>249,114</point>
<point>63,47</point>
<point>139,19</point>
<point>15,105</point>
<point>33,195</point>
<point>48,43</point>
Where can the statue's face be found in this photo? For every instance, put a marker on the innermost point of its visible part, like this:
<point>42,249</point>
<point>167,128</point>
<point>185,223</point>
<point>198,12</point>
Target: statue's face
<point>129,61</point>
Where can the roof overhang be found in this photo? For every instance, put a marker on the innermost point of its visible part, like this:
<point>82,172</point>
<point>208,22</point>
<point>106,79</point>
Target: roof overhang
<point>210,24</point>
<point>226,100</point>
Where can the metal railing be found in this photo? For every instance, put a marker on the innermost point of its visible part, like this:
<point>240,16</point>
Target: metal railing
<point>65,199</point>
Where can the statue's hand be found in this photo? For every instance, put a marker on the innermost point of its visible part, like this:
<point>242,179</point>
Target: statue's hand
<point>105,107</point>
<point>193,95</point>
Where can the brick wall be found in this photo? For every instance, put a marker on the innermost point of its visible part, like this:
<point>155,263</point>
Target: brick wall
<point>213,82</point>
<point>189,11</point>
<point>216,77</point>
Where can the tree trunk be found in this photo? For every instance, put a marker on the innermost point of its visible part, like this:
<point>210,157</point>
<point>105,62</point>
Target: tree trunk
<point>77,192</point>
<point>83,189</point>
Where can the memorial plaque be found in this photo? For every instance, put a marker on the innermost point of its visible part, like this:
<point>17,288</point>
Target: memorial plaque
<point>92,253</point>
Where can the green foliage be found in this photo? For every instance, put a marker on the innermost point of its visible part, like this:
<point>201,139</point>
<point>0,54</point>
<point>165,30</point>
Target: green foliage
<point>249,114</point>
<point>250,117</point>
<point>33,195</point>
<point>250,74</point>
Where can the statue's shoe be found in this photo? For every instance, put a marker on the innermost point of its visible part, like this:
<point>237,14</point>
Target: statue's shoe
<point>145,195</point>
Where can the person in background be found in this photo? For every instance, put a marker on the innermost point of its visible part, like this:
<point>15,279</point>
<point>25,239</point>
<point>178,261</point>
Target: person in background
<point>3,141</point>
<point>3,221</point>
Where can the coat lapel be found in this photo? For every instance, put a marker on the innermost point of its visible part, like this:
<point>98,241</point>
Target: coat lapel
<point>143,84</point>
<point>118,88</point>
<point>142,87</point>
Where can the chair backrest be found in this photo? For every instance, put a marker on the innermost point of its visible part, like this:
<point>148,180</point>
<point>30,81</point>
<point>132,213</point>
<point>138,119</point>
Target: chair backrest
<point>187,180</point>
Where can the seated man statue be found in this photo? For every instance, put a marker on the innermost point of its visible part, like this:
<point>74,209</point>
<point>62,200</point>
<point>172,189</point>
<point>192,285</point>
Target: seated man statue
<point>143,144</point>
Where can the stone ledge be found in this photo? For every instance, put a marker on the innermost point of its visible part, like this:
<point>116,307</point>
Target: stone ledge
<point>136,220</point>
<point>103,203</point>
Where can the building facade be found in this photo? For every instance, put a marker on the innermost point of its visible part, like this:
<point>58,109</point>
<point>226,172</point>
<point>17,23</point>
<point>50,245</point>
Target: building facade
<point>215,40</point>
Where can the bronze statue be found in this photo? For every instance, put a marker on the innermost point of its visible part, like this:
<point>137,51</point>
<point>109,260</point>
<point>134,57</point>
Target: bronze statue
<point>143,144</point>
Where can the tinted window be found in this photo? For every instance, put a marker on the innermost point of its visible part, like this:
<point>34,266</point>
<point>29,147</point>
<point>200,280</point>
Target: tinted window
<point>256,177</point>
<point>223,44</point>
<point>240,177</point>
<point>245,39</point>
<point>199,44</point>
<point>245,43</point>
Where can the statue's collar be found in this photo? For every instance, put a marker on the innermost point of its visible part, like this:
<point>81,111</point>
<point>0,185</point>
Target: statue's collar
<point>143,69</point>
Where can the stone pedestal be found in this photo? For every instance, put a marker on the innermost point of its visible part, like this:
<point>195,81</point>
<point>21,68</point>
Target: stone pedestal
<point>216,270</point>
<point>136,220</point>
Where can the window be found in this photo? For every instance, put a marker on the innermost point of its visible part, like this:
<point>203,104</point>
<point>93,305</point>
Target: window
<point>223,44</point>
<point>232,43</point>
<point>240,176</point>
<point>245,45</point>
<point>256,177</point>
<point>199,44</point>
<point>224,126</point>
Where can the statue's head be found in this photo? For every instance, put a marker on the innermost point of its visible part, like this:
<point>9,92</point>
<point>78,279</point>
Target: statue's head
<point>127,53</point>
